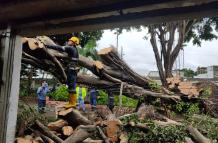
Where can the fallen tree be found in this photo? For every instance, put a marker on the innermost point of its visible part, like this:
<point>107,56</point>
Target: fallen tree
<point>108,73</point>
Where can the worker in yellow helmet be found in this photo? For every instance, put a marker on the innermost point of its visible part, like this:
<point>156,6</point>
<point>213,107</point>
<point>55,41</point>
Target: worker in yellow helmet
<point>72,67</point>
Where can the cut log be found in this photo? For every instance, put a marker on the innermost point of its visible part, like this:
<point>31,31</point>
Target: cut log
<point>188,140</point>
<point>81,133</point>
<point>22,140</point>
<point>169,122</point>
<point>173,81</point>
<point>74,117</point>
<point>112,130</point>
<point>89,140</point>
<point>48,133</point>
<point>39,140</point>
<point>111,58</point>
<point>44,138</point>
<point>123,138</point>
<point>126,116</point>
<point>29,137</point>
<point>106,140</point>
<point>67,130</point>
<point>57,125</point>
<point>198,137</point>
<point>186,88</point>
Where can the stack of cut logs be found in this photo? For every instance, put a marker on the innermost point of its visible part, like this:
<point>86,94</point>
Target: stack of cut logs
<point>75,127</point>
<point>185,87</point>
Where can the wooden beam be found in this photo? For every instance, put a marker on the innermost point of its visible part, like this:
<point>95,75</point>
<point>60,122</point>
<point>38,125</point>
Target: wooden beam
<point>142,18</point>
<point>118,8</point>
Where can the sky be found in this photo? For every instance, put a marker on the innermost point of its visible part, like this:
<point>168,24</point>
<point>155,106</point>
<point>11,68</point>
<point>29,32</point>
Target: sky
<point>138,53</point>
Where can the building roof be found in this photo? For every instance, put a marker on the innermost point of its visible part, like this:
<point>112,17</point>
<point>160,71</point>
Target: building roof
<point>37,17</point>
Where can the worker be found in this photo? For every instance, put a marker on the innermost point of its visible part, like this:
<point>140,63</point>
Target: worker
<point>110,100</point>
<point>81,94</point>
<point>93,98</point>
<point>41,94</point>
<point>72,67</point>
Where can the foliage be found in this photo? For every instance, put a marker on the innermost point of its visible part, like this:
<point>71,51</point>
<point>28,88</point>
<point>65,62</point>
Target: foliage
<point>26,89</point>
<point>89,50</point>
<point>169,38</point>
<point>126,102</point>
<point>168,134</point>
<point>60,94</point>
<point>202,30</point>
<point>23,91</point>
<point>156,133</point>
<point>154,86</point>
<point>206,92</point>
<point>102,97</point>
<point>206,125</point>
<point>189,73</point>
<point>29,115</point>
<point>186,108</point>
<point>85,37</point>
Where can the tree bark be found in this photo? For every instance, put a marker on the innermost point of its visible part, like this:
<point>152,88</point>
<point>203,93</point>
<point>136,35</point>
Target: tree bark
<point>74,117</point>
<point>57,125</point>
<point>198,137</point>
<point>80,134</point>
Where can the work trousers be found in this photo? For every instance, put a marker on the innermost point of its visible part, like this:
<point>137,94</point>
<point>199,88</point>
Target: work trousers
<point>71,80</point>
<point>93,103</point>
<point>81,103</point>
<point>41,105</point>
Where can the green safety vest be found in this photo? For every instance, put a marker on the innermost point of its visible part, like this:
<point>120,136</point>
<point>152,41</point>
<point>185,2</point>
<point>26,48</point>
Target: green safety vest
<point>84,92</point>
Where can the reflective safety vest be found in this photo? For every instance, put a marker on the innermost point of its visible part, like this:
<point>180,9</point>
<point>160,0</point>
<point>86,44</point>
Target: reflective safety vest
<point>84,92</point>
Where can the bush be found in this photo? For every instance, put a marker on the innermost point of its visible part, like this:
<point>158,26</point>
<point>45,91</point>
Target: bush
<point>102,97</point>
<point>126,101</point>
<point>154,86</point>
<point>186,108</point>
<point>60,94</point>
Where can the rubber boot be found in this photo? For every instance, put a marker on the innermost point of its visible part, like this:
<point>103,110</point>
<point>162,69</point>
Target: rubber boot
<point>72,101</point>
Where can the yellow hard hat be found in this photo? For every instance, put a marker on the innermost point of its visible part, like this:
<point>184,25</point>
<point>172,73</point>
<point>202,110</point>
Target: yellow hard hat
<point>75,40</point>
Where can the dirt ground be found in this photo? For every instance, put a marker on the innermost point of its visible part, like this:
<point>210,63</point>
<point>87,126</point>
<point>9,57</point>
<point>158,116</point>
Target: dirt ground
<point>51,106</point>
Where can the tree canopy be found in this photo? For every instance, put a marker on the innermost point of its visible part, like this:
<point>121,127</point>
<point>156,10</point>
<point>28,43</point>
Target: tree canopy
<point>169,38</point>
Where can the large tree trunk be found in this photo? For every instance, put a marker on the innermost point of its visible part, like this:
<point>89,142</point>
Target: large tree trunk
<point>168,51</point>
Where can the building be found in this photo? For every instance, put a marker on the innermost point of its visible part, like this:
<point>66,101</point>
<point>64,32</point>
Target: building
<point>211,73</point>
<point>201,70</point>
<point>155,74</point>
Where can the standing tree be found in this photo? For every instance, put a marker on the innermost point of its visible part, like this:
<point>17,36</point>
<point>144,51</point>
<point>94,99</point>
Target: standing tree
<point>189,73</point>
<point>167,40</point>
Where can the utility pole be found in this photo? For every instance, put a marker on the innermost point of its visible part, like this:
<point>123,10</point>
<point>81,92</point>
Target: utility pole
<point>121,84</point>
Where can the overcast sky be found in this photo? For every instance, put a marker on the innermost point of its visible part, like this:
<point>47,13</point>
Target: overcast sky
<point>139,55</point>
